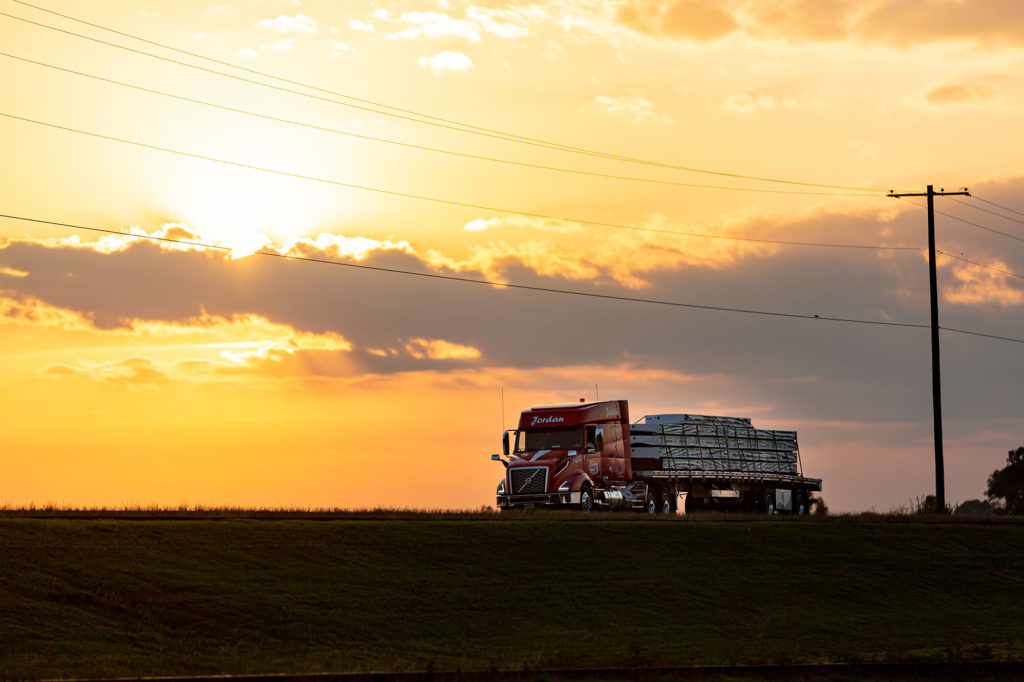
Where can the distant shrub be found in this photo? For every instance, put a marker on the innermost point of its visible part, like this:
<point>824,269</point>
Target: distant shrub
<point>929,506</point>
<point>974,508</point>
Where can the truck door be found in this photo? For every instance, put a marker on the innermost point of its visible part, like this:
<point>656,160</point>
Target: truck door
<point>598,466</point>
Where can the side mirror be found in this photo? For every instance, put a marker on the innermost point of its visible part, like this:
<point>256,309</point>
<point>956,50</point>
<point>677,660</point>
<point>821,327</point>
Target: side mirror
<point>504,443</point>
<point>497,458</point>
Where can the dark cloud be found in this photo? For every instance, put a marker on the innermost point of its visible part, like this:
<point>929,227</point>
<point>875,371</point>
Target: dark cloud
<point>858,392</point>
<point>861,372</point>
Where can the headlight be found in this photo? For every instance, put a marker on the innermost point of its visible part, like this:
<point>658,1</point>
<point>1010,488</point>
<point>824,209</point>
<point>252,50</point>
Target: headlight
<point>564,488</point>
<point>501,487</point>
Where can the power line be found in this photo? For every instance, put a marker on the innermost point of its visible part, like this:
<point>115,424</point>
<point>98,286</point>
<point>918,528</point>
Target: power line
<point>981,265</point>
<point>981,227</point>
<point>983,335</point>
<point>279,78</point>
<point>416,146</point>
<point>462,204</point>
<point>435,121</point>
<point>507,285</point>
<point>1005,208</point>
<point>969,222</point>
<point>486,282</point>
<point>979,208</point>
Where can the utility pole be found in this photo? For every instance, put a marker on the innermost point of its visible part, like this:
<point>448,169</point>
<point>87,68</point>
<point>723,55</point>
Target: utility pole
<point>940,482</point>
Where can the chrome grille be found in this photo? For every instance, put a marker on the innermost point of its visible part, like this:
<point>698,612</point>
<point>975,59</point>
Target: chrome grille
<point>529,480</point>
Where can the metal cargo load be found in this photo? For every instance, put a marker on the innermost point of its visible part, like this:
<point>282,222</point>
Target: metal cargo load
<point>711,446</point>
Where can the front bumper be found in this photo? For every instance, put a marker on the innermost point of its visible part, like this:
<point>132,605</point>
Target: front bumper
<point>540,500</point>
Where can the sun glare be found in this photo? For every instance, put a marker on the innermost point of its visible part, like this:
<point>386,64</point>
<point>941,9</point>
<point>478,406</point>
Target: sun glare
<point>246,211</point>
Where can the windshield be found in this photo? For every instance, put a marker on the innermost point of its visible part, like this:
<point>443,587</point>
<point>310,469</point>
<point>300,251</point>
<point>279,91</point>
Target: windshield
<point>550,439</point>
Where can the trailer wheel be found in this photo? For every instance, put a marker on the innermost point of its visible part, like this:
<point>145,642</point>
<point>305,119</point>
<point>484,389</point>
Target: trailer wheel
<point>799,500</point>
<point>668,502</point>
<point>769,500</point>
<point>651,505</point>
<point>586,499</point>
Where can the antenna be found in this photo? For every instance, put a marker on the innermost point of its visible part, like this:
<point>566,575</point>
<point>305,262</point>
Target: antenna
<point>597,396</point>
<point>503,409</point>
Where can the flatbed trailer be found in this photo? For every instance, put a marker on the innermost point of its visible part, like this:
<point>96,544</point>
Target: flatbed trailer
<point>589,456</point>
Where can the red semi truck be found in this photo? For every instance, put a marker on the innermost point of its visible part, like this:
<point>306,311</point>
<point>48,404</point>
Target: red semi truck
<point>588,456</point>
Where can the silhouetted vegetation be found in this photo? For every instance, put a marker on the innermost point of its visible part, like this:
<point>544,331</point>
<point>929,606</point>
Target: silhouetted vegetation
<point>1006,485</point>
<point>929,505</point>
<point>974,508</point>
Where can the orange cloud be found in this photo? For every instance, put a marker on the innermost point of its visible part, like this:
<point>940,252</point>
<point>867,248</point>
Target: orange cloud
<point>906,22</point>
<point>816,20</point>
<point>135,373</point>
<point>29,311</point>
<point>439,349</point>
<point>692,19</point>
<point>892,22</point>
<point>978,285</point>
<point>626,258</point>
<point>959,93</point>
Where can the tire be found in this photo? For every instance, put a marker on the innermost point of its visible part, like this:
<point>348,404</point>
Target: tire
<point>668,502</point>
<point>651,505</point>
<point>769,500</point>
<point>799,500</point>
<point>586,499</point>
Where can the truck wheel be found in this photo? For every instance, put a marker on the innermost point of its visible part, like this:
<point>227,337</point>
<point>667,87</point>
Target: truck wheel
<point>651,505</point>
<point>799,500</point>
<point>586,499</point>
<point>769,499</point>
<point>668,502</point>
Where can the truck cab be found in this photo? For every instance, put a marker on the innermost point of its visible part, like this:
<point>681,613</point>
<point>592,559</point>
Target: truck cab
<point>566,455</point>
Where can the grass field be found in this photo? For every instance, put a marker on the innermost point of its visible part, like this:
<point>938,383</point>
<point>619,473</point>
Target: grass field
<point>93,597</point>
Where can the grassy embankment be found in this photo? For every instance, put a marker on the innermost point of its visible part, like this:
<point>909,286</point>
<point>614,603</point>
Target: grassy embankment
<point>101,597</point>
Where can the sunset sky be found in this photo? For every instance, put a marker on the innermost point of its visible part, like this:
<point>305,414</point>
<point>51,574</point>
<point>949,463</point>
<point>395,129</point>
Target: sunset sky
<point>451,138</point>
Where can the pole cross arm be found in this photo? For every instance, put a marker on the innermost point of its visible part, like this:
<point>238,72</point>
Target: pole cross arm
<point>941,193</point>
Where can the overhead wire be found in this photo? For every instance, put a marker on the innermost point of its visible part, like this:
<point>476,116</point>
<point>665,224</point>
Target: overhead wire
<point>964,220</point>
<point>511,285</point>
<point>451,202</point>
<point>980,226</point>
<point>982,334</point>
<point>420,147</point>
<point>493,133</point>
<point>979,208</point>
<point>980,265</point>
<point>432,120</point>
<point>487,282</point>
<point>992,203</point>
<point>961,257</point>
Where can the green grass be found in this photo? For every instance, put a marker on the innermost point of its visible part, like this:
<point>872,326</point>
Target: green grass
<point>113,597</point>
